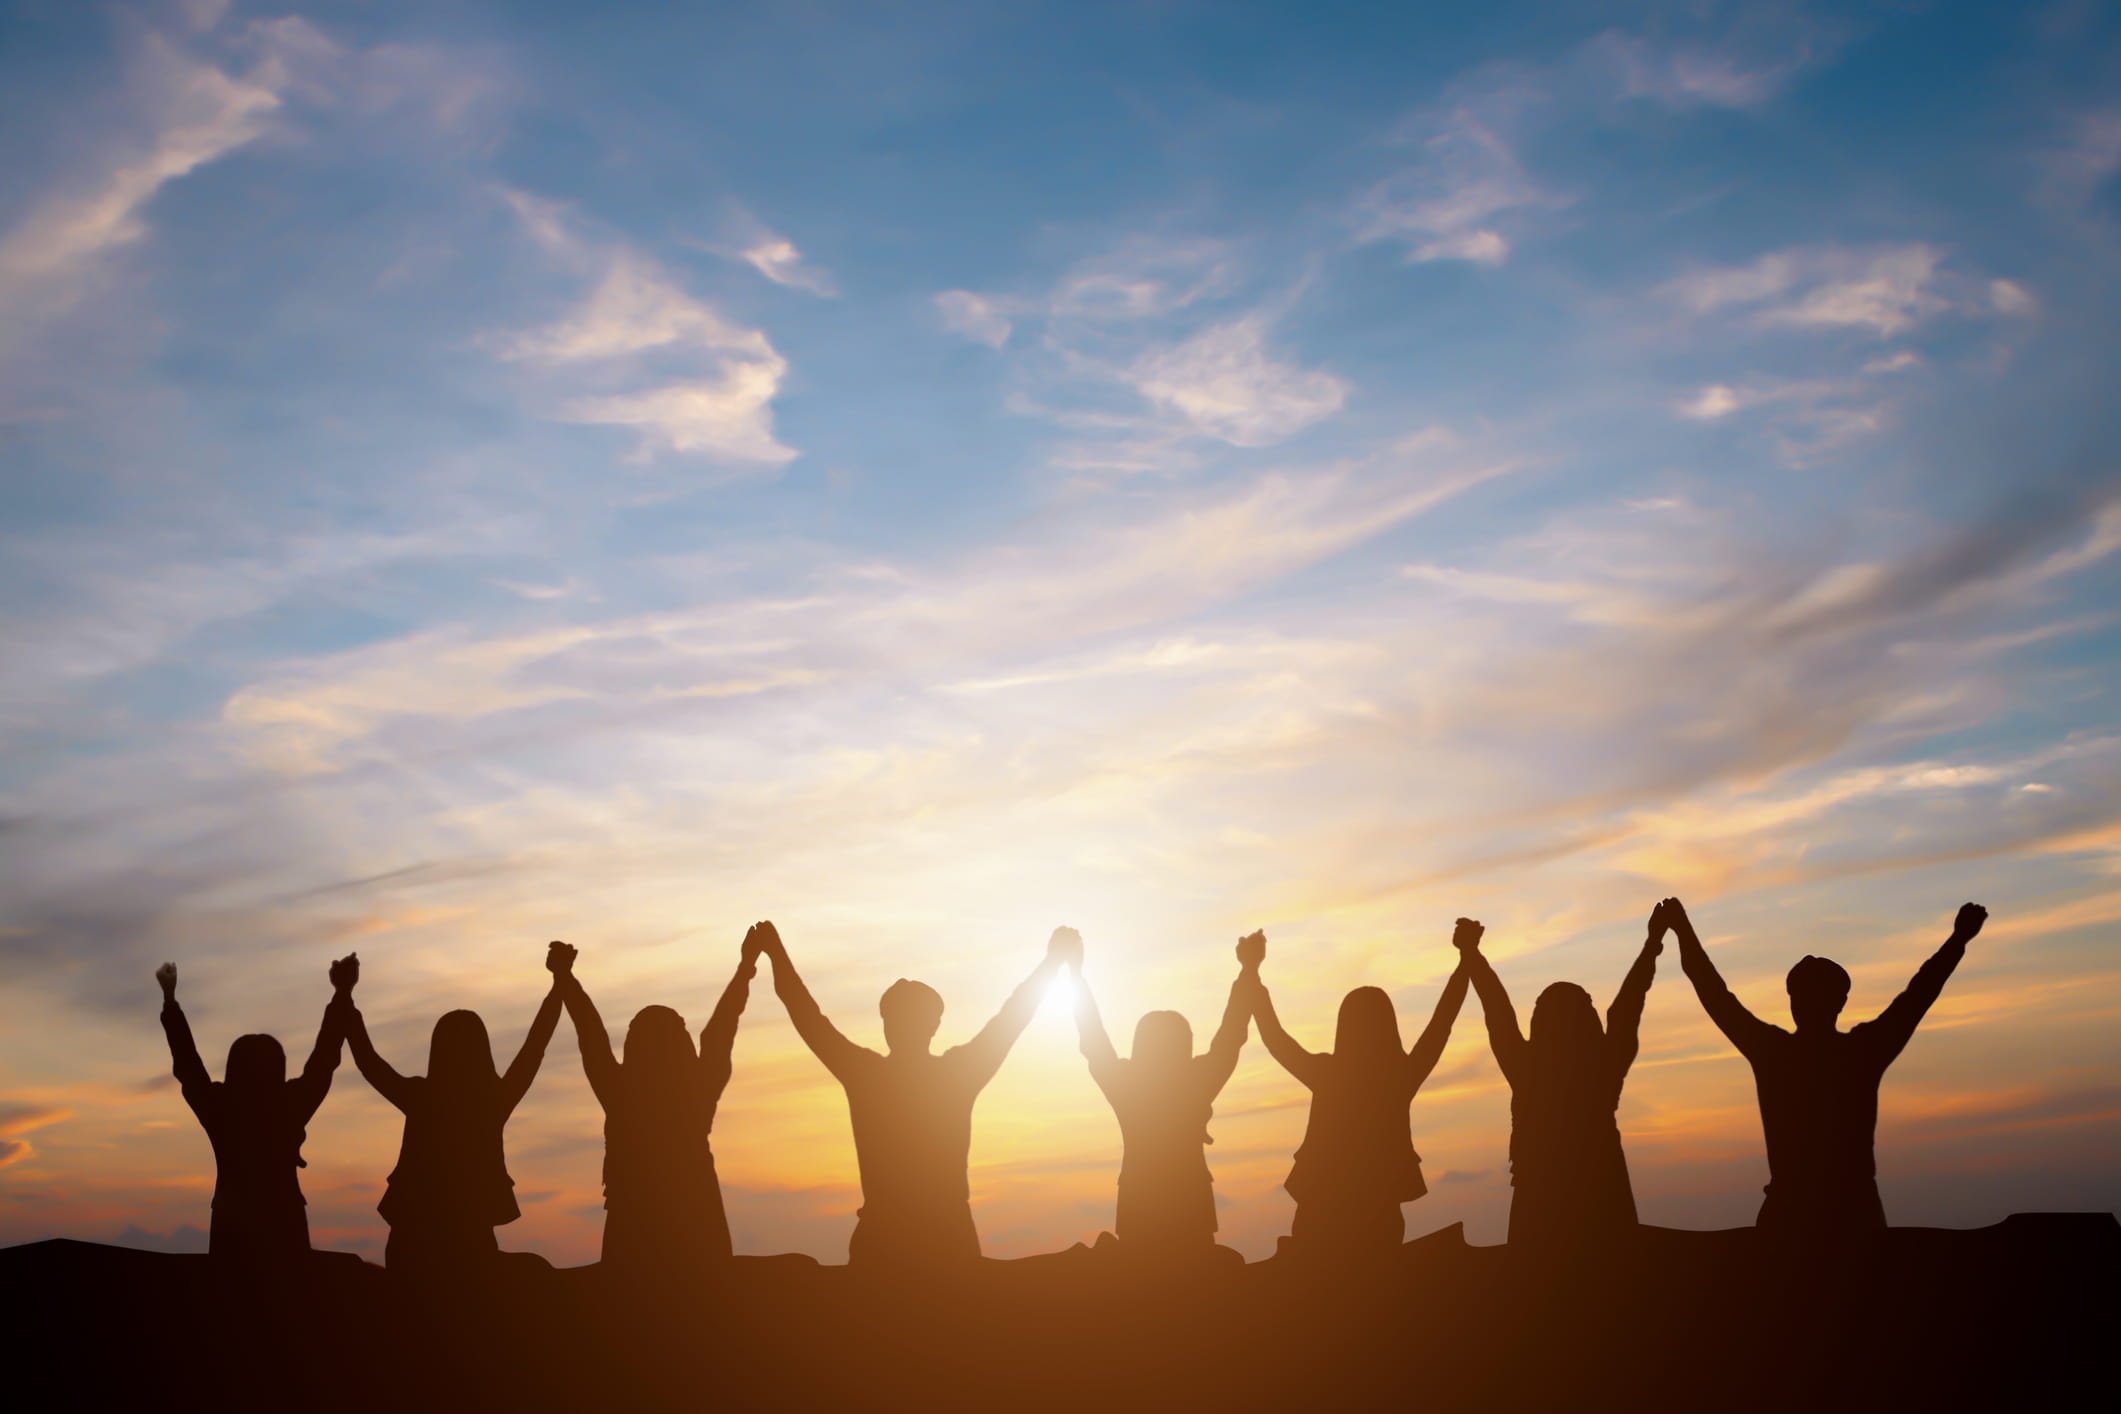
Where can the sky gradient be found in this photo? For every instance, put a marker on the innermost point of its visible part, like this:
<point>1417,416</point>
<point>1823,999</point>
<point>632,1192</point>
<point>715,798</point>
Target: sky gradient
<point>473,474</point>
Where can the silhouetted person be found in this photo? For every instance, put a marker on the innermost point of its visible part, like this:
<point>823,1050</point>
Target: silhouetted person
<point>912,1109</point>
<point>256,1119</point>
<point>1567,1169</point>
<point>1357,1163</point>
<point>1819,1086</point>
<point>1164,1096</point>
<point>662,1202</point>
<point>451,1187</point>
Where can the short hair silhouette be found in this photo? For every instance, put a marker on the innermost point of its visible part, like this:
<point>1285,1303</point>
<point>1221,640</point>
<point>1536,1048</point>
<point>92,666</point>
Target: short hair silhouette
<point>1818,1086</point>
<point>1162,1038</point>
<point>255,1062</point>
<point>911,1110</point>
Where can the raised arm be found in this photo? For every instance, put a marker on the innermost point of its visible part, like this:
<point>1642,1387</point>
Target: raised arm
<point>984,1053</point>
<point>1437,1034</point>
<point>1895,1026</point>
<point>1505,1038</point>
<point>1229,1041</point>
<point>1307,1066</point>
<point>1090,1034</point>
<point>374,1069</point>
<point>591,1037</point>
<point>1739,1026</point>
<point>559,961</point>
<point>718,1036</point>
<point>184,1060</point>
<point>1623,1019</point>
<point>832,1049</point>
<point>314,1083</point>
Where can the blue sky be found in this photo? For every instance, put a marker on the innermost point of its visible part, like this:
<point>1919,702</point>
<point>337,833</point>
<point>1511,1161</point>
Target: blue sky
<point>478,473</point>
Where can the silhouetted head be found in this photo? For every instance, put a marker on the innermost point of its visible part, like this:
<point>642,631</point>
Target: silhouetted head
<point>1819,989</point>
<point>459,1057</point>
<point>1565,1023</point>
<point>657,1042</point>
<point>255,1063</point>
<point>912,1011</point>
<point>1369,1027</point>
<point>1163,1039</point>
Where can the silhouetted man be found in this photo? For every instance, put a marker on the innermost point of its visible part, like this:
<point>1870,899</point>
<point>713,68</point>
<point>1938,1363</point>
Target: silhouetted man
<point>1819,1087</point>
<point>912,1109</point>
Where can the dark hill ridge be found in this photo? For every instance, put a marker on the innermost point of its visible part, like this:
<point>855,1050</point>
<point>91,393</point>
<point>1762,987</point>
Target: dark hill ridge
<point>1996,1317</point>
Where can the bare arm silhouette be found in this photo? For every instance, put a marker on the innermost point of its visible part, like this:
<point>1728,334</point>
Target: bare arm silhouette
<point>374,1069</point>
<point>1894,1027</point>
<point>832,1049</point>
<point>314,1083</point>
<point>591,1037</point>
<point>718,1036</point>
<point>1739,1026</point>
<point>1229,1041</point>
<point>1090,1035</point>
<point>984,1053</point>
<point>1623,1019</point>
<point>1505,1039</point>
<point>1307,1066</point>
<point>559,960</point>
<point>184,1060</point>
<point>1437,1034</point>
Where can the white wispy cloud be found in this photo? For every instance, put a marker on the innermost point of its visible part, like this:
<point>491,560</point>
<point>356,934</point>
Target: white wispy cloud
<point>722,409</point>
<point>778,260</point>
<point>1887,291</point>
<point>1224,384</point>
<point>1454,202</point>
<point>977,317</point>
<point>1690,75</point>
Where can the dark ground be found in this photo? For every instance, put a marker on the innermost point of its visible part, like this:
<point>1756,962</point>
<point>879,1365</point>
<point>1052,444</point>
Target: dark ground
<point>2025,1314</point>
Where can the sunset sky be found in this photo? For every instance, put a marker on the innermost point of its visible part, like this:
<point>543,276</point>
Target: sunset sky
<point>476,473</point>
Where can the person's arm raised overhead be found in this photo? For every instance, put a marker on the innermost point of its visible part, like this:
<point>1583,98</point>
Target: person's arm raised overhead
<point>559,961</point>
<point>1623,1019</point>
<point>985,1052</point>
<point>1090,1034</point>
<point>1307,1066</point>
<point>1739,1026</point>
<point>1894,1027</point>
<point>1505,1039</point>
<point>591,1037</point>
<point>1229,1042</point>
<point>184,1062</point>
<point>1437,1034</point>
<point>374,1069</point>
<point>718,1036</point>
<point>832,1049</point>
<point>314,1083</point>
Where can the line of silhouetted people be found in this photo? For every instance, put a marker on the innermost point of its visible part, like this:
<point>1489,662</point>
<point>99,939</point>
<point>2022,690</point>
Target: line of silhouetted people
<point>911,1111</point>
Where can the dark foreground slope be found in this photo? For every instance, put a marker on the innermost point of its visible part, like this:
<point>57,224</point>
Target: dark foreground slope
<point>2018,1315</point>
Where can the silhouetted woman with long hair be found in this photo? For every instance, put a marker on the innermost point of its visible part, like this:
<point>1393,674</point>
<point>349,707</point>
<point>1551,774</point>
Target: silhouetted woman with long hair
<point>1357,1163</point>
<point>451,1187</point>
<point>1567,1169</point>
<point>256,1119</point>
<point>1164,1096</point>
<point>662,1202</point>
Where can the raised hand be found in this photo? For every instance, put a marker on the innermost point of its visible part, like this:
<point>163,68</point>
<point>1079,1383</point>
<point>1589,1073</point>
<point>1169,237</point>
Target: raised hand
<point>1968,923</point>
<point>1466,936</point>
<point>1660,924</point>
<point>752,946</point>
<point>1066,948</point>
<point>559,959</point>
<point>1675,917</point>
<point>166,974</point>
<point>1252,950</point>
<point>769,939</point>
<point>345,973</point>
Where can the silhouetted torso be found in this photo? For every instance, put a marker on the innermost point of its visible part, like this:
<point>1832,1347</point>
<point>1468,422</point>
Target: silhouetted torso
<point>661,1192</point>
<point>1359,1144</point>
<point>1566,1162</point>
<point>912,1119</point>
<point>1166,1193</point>
<point>451,1166</point>
<point>1819,1112</point>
